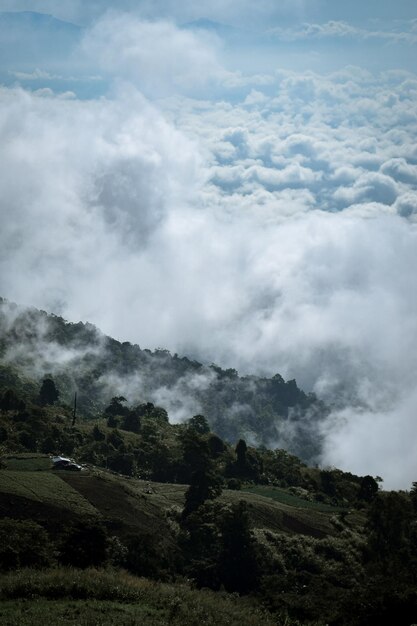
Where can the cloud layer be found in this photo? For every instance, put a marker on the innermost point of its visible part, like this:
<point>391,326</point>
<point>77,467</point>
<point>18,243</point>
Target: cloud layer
<point>272,229</point>
<point>159,56</point>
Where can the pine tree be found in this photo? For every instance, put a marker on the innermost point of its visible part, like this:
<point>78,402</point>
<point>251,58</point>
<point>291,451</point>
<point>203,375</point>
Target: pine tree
<point>48,393</point>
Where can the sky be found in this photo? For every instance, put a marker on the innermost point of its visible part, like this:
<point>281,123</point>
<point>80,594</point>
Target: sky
<point>234,181</point>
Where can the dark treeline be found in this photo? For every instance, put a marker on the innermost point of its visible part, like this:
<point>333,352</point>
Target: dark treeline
<point>266,411</point>
<point>363,572</point>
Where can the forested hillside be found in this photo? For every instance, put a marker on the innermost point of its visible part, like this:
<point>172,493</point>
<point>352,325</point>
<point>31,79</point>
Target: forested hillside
<point>190,503</point>
<point>264,411</point>
<point>178,505</point>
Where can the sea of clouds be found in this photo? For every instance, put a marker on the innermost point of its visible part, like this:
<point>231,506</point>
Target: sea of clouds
<point>270,227</point>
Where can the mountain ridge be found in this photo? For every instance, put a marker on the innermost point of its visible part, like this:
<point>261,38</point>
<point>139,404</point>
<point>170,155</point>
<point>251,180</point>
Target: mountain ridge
<point>265,411</point>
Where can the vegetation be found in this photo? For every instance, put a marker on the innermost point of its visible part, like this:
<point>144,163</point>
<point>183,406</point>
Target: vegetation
<point>106,597</point>
<point>41,349</point>
<point>220,532</point>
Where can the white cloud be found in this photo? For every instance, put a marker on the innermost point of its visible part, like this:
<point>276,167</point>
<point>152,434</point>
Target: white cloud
<point>255,97</point>
<point>37,74</point>
<point>341,29</point>
<point>83,181</point>
<point>399,169</point>
<point>380,442</point>
<point>209,227</point>
<point>370,187</point>
<point>406,205</point>
<point>157,56</point>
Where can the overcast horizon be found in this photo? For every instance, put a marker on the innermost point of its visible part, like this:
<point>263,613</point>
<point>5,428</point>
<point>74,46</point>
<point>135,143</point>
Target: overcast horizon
<point>232,181</point>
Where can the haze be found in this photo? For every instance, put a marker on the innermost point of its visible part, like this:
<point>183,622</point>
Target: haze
<point>234,181</point>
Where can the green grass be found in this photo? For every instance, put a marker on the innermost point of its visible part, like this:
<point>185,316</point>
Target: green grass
<point>77,613</point>
<point>28,462</point>
<point>128,503</point>
<point>44,487</point>
<point>280,495</point>
<point>164,495</point>
<point>119,497</point>
<point>100,598</point>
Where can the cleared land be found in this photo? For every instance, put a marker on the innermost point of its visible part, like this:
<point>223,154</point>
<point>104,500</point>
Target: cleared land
<point>33,489</point>
<point>44,487</point>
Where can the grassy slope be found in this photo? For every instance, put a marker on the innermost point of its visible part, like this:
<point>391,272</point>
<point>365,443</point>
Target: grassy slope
<point>44,487</point>
<point>128,500</point>
<point>298,515</point>
<point>280,495</point>
<point>28,462</point>
<point>116,598</point>
<point>128,504</point>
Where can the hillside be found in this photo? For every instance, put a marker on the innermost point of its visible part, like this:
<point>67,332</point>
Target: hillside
<point>307,562</point>
<point>105,598</point>
<point>151,513</point>
<point>140,505</point>
<point>143,528</point>
<point>264,411</point>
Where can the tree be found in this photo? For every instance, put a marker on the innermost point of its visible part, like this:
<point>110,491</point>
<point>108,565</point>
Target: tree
<point>218,547</point>
<point>205,485</point>
<point>116,407</point>
<point>413,496</point>
<point>113,421</point>
<point>389,525</point>
<point>131,422</point>
<point>238,566</point>
<point>148,409</point>
<point>196,455</point>
<point>199,424</point>
<point>160,414</point>
<point>123,463</point>
<point>115,439</point>
<point>241,449</point>
<point>200,542</point>
<point>10,402</point>
<point>28,440</point>
<point>98,434</point>
<point>23,544</point>
<point>328,483</point>
<point>247,464</point>
<point>204,482</point>
<point>148,556</point>
<point>85,545</point>
<point>216,446</point>
<point>368,489</point>
<point>48,393</point>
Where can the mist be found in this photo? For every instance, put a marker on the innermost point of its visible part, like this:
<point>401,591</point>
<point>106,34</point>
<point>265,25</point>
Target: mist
<point>265,222</point>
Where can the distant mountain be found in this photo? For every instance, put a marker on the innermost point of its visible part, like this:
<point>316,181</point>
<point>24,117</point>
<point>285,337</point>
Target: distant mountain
<point>36,20</point>
<point>264,411</point>
<point>28,39</point>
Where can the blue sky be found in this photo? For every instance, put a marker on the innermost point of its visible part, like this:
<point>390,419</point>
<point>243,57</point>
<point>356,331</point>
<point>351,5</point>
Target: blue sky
<point>232,180</point>
<point>315,35</point>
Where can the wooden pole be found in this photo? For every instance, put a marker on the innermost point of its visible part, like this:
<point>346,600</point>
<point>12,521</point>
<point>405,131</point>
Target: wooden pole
<point>74,414</point>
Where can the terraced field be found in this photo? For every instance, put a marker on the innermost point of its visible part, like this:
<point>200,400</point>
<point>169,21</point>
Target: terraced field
<point>28,462</point>
<point>128,503</point>
<point>285,497</point>
<point>45,487</point>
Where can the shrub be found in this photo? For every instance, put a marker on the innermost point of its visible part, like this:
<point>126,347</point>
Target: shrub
<point>24,543</point>
<point>84,545</point>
